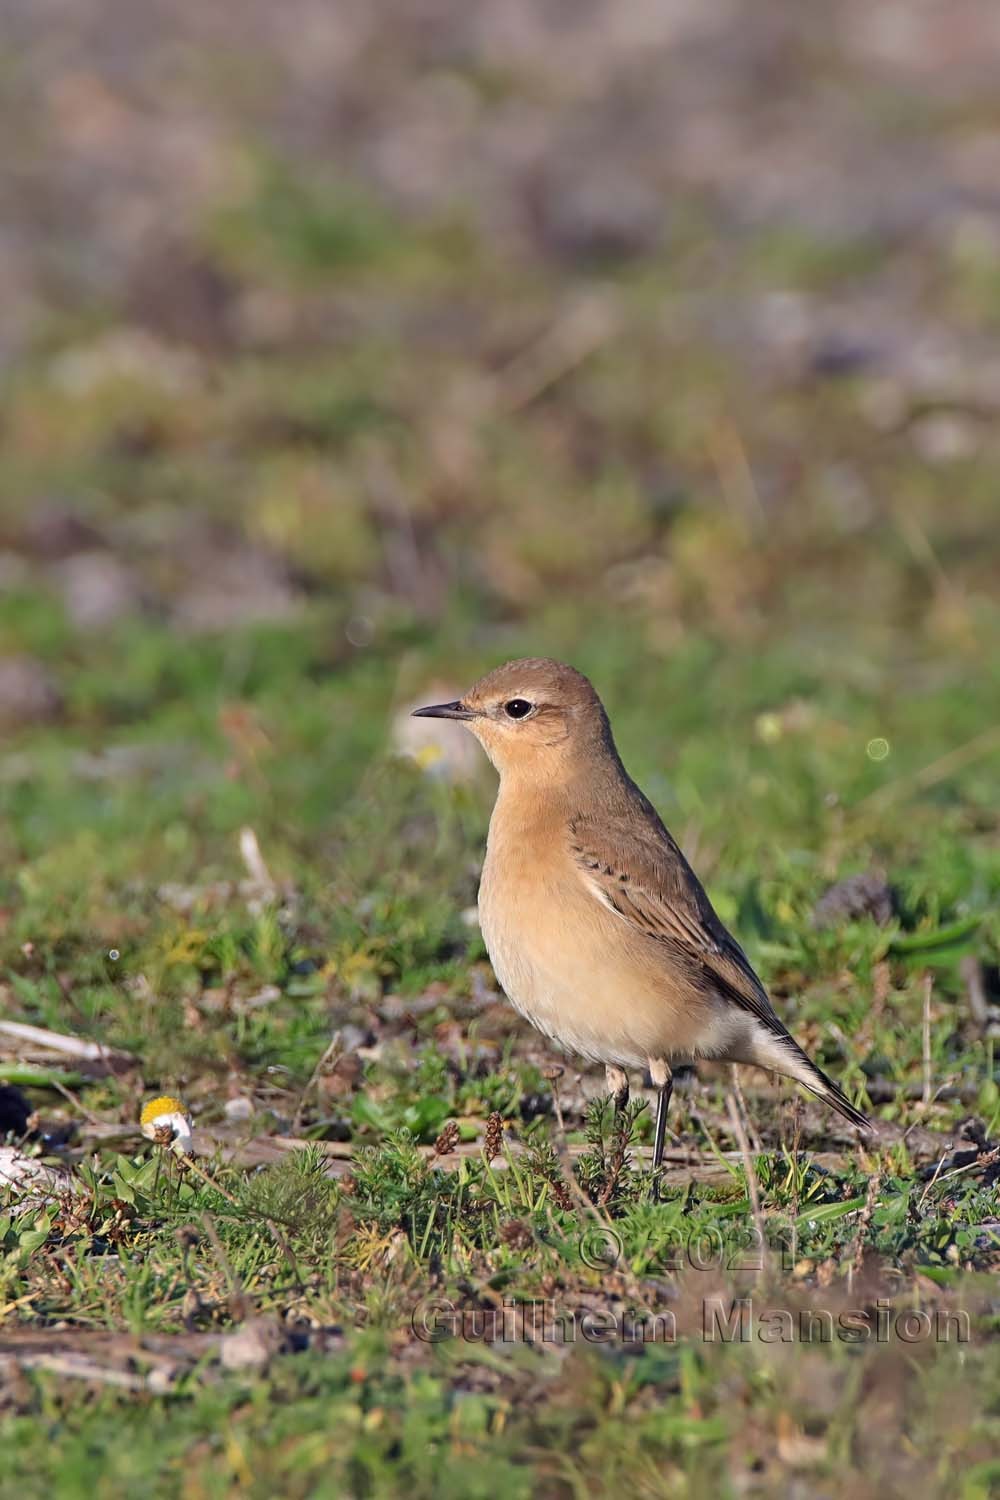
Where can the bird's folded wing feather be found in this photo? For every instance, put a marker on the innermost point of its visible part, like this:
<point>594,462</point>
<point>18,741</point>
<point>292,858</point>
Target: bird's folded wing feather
<point>636,868</point>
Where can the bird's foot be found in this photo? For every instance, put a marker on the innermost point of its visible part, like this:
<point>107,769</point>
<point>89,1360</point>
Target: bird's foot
<point>617,1081</point>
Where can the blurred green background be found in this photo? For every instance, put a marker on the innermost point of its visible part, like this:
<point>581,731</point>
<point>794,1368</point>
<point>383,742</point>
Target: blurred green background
<point>346,351</point>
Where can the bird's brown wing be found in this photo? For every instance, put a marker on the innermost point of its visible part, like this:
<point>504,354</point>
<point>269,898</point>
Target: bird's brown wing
<point>633,864</point>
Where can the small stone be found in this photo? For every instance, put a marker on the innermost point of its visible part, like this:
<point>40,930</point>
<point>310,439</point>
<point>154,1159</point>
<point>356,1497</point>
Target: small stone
<point>55,530</point>
<point>240,1108</point>
<point>864,895</point>
<point>945,437</point>
<point>161,1380</point>
<point>97,589</point>
<point>222,583</point>
<point>253,1345</point>
<point>28,694</point>
<point>29,1182</point>
<point>596,207</point>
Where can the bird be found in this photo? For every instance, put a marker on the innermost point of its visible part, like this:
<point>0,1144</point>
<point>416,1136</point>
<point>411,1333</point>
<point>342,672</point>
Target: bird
<point>598,929</point>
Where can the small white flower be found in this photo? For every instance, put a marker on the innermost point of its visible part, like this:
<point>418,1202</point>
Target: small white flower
<point>167,1113</point>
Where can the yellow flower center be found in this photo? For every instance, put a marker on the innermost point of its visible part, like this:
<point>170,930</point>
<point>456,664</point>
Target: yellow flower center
<point>167,1104</point>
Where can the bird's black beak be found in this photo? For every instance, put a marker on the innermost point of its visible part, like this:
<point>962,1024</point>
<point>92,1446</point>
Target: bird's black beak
<point>456,710</point>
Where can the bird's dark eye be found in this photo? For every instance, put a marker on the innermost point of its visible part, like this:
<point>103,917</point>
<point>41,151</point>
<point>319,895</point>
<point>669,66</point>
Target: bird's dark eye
<point>517,708</point>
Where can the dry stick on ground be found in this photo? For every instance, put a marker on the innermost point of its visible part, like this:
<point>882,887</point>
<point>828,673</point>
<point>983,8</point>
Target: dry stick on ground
<point>928,991</point>
<point>728,457</point>
<point>188,1164</point>
<point>80,1368</point>
<point>796,1127</point>
<point>987,1159</point>
<point>883,1091</point>
<point>937,1173</point>
<point>588,323</point>
<point>744,1113</point>
<point>971,971</point>
<point>864,1220</point>
<point>70,1046</point>
<point>796,1146</point>
<point>333,1053</point>
<point>66,990</point>
<point>944,1089</point>
<point>16,1302</point>
<point>254,861</point>
<point>923,553</point>
<point>753,1189</point>
<point>61,1088</point>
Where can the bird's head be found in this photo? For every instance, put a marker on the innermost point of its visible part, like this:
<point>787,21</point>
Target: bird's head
<point>534,716</point>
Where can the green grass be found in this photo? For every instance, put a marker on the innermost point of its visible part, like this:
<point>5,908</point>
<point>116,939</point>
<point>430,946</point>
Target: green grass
<point>792,620</point>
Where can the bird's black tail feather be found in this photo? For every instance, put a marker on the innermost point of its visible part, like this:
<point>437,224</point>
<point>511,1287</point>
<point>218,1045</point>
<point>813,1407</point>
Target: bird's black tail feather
<point>816,1081</point>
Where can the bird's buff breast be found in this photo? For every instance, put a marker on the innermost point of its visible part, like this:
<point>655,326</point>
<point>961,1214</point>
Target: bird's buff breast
<point>565,962</point>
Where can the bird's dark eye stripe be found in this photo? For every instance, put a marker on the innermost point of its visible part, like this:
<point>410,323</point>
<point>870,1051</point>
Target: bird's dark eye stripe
<point>517,708</point>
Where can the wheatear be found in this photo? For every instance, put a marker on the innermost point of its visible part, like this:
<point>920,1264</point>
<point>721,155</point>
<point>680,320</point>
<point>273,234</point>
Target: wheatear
<point>597,927</point>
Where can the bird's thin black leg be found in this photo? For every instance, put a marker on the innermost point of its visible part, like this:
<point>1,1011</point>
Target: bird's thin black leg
<point>659,1136</point>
